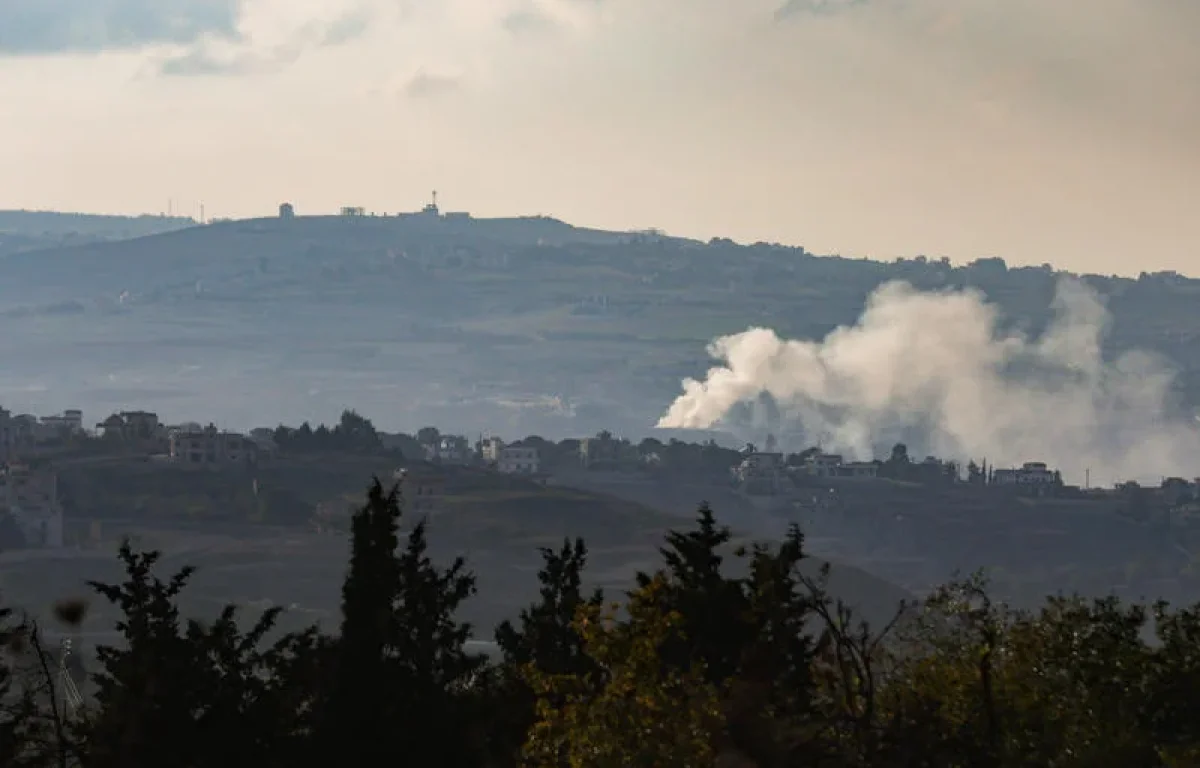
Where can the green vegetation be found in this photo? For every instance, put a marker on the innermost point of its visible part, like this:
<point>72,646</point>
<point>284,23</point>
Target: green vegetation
<point>696,666</point>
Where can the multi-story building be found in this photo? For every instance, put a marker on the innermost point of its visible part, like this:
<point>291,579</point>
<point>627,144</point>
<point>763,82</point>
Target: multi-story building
<point>831,465</point>
<point>449,449</point>
<point>519,460</point>
<point>131,425</point>
<point>489,449</point>
<point>69,422</point>
<point>1031,473</point>
<point>210,447</point>
<point>30,498</point>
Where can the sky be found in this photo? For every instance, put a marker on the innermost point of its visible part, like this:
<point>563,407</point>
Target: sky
<point>1039,131</point>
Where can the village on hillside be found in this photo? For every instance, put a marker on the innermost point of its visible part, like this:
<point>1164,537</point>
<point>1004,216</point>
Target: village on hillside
<point>33,449</point>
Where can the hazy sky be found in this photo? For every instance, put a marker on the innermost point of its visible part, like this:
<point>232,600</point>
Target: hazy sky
<point>1036,130</point>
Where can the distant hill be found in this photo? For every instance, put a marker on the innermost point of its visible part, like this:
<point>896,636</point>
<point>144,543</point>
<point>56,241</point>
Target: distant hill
<point>514,326</point>
<point>40,230</point>
<point>57,224</point>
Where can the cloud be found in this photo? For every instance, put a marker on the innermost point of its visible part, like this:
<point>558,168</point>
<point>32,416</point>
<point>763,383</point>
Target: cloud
<point>424,85</point>
<point>793,8</point>
<point>527,21</point>
<point>47,27</point>
<point>935,369</point>
<point>243,57</point>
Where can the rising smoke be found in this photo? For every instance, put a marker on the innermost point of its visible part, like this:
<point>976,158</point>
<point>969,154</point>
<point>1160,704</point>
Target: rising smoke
<point>936,364</point>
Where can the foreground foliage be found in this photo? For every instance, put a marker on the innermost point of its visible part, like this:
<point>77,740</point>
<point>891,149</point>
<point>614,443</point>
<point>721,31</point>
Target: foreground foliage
<point>714,659</point>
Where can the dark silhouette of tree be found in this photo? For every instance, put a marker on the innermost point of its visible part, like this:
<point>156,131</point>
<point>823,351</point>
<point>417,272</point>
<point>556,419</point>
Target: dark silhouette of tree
<point>164,696</point>
<point>24,743</point>
<point>759,665</point>
<point>401,656</point>
<point>352,434</point>
<point>358,709</point>
<point>746,633</point>
<point>545,638</point>
<point>145,710</point>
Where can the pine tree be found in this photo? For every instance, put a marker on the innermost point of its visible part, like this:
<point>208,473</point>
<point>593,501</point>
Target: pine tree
<point>145,711</point>
<point>546,640</point>
<point>712,606</point>
<point>195,694</point>
<point>357,711</point>
<point>403,683</point>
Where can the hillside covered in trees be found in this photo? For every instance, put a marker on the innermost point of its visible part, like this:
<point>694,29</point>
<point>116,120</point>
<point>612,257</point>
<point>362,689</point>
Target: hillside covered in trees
<point>525,326</point>
<point>694,667</point>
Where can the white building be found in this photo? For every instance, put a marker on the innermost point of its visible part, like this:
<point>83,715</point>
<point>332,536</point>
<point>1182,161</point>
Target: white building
<point>1031,473</point>
<point>490,449</point>
<point>30,497</point>
<point>519,461</point>
<point>69,421</point>
<point>830,465</point>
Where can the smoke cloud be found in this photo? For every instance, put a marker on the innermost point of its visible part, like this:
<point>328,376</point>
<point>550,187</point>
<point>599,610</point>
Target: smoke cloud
<point>936,364</point>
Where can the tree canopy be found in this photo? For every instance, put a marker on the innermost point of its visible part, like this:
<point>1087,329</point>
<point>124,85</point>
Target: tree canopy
<point>717,657</point>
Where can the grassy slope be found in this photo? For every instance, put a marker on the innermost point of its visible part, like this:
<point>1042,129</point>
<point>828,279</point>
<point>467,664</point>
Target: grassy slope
<point>498,523</point>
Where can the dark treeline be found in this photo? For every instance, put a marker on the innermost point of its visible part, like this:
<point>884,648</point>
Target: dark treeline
<point>353,433</point>
<point>696,667</point>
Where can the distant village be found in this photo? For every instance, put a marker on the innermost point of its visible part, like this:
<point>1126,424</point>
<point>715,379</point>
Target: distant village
<point>31,445</point>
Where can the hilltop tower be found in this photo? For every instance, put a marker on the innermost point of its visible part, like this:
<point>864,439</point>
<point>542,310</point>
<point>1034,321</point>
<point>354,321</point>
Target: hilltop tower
<point>431,208</point>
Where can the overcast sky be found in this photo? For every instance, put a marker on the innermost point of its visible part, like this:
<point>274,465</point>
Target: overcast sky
<point>1056,131</point>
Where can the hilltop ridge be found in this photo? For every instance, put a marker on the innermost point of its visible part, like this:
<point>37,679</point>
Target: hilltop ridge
<point>527,325</point>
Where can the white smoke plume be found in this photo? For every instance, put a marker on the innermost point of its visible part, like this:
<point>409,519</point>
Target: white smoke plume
<point>938,363</point>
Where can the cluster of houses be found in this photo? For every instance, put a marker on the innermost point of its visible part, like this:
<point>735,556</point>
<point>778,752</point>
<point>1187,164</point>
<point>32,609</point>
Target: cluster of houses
<point>29,494</point>
<point>602,452</point>
<point>769,474</point>
<point>189,444</point>
<point>515,459</point>
<point>29,498</point>
<point>766,473</point>
<point>22,434</point>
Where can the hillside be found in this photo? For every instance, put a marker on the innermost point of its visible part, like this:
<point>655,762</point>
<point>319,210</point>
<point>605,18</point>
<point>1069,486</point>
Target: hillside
<point>33,230</point>
<point>207,519</point>
<point>516,326</point>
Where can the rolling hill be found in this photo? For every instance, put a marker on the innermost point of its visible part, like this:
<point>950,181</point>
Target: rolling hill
<point>512,325</point>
